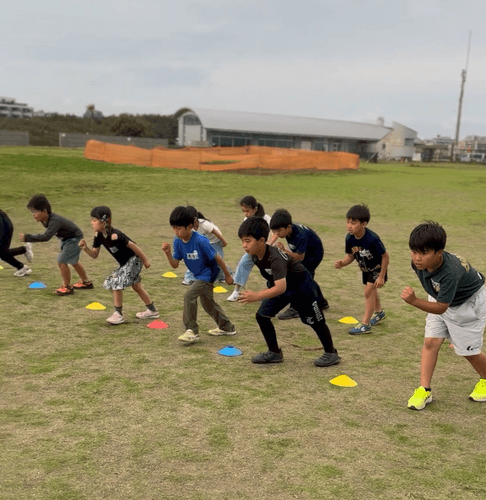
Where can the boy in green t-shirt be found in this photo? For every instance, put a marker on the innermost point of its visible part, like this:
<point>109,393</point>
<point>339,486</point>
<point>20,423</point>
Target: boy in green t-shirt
<point>456,308</point>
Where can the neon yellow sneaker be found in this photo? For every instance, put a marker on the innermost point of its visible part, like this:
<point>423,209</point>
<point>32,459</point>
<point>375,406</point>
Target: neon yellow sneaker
<point>479,393</point>
<point>420,398</point>
<point>189,336</point>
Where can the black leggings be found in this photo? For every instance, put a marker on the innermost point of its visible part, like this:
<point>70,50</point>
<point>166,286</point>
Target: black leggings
<point>317,323</point>
<point>8,254</point>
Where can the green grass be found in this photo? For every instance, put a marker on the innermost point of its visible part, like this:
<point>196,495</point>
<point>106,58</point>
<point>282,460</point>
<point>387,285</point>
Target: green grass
<point>93,411</point>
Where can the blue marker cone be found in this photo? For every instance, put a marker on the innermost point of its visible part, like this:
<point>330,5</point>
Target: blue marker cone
<point>230,350</point>
<point>37,284</point>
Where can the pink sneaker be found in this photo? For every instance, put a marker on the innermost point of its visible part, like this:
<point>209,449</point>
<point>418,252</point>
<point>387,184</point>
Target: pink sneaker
<point>115,319</point>
<point>148,314</point>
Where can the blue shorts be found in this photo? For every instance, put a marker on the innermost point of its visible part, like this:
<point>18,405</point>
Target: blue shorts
<point>70,251</point>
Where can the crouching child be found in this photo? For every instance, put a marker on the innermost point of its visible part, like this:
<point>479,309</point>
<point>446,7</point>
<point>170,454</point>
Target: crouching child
<point>288,282</point>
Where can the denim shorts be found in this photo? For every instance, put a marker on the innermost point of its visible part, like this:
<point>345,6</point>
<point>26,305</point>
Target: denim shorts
<point>70,251</point>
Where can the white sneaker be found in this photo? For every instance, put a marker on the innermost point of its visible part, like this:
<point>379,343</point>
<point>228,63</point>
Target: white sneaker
<point>115,319</point>
<point>29,254</point>
<point>22,272</point>
<point>187,282</point>
<point>217,332</point>
<point>189,336</point>
<point>235,296</point>
<point>148,314</point>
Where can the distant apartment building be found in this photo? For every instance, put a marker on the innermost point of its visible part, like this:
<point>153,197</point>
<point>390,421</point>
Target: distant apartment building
<point>9,108</point>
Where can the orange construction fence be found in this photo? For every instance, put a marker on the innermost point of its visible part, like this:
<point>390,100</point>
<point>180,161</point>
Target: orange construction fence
<point>218,159</point>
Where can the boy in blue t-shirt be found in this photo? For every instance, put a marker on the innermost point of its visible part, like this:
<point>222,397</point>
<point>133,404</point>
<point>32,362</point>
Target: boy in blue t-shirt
<point>204,262</point>
<point>304,246</point>
<point>456,308</point>
<point>365,246</point>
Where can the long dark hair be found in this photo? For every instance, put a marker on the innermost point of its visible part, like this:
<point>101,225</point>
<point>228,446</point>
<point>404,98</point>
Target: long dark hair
<point>250,201</point>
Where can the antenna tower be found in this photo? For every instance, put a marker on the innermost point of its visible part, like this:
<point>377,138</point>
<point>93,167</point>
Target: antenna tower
<point>461,96</point>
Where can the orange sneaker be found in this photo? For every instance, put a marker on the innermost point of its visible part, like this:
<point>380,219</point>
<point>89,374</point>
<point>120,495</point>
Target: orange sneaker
<point>65,290</point>
<point>83,285</point>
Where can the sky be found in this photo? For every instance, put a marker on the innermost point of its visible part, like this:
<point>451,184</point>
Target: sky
<point>351,60</point>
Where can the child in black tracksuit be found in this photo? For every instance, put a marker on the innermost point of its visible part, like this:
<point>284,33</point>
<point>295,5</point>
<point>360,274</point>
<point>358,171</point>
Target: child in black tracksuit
<point>288,282</point>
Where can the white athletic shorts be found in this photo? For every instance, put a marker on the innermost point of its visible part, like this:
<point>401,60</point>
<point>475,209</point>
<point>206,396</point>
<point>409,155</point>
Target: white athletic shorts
<point>462,325</point>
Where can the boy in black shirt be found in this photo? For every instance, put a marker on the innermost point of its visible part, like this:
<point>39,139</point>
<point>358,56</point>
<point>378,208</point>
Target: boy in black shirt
<point>304,246</point>
<point>288,282</point>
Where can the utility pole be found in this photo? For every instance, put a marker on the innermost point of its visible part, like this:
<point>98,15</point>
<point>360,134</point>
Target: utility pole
<point>461,95</point>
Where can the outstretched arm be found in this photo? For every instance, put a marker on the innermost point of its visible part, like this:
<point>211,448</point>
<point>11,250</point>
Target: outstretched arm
<point>408,295</point>
<point>247,296</point>
<point>222,264</point>
<point>272,240</point>
<point>132,246</point>
<point>220,237</point>
<point>173,262</point>
<point>385,260</point>
<point>92,252</point>
<point>345,262</point>
<point>294,255</point>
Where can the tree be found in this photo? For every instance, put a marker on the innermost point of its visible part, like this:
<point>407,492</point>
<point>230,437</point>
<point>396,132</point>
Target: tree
<point>90,111</point>
<point>129,126</point>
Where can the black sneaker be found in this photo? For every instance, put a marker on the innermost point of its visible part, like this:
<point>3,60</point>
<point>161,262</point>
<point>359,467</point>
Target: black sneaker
<point>289,314</point>
<point>328,359</point>
<point>268,357</point>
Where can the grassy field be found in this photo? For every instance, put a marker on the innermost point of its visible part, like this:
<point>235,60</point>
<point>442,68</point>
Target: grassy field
<point>92,411</point>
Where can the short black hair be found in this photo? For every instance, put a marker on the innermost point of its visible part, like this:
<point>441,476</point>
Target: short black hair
<point>359,212</point>
<point>255,227</point>
<point>428,236</point>
<point>39,202</point>
<point>280,219</point>
<point>182,216</point>
<point>101,213</point>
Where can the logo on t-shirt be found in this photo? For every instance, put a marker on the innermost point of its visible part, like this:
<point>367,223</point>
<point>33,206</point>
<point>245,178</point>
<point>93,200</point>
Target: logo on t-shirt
<point>435,286</point>
<point>365,254</point>
<point>192,255</point>
<point>464,263</point>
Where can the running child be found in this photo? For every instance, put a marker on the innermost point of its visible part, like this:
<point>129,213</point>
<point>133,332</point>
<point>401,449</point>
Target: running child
<point>250,208</point>
<point>289,282</point>
<point>211,231</point>
<point>69,236</point>
<point>366,247</point>
<point>304,246</point>
<point>456,308</point>
<point>131,259</point>
<point>204,262</point>
<point>8,254</point>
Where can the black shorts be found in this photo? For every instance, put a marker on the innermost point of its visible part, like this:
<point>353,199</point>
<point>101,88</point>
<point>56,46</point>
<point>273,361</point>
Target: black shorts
<point>372,276</point>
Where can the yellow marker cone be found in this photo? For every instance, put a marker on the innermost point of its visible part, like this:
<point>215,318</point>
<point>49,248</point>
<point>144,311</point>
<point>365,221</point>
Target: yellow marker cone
<point>169,274</point>
<point>95,306</point>
<point>343,381</point>
<point>348,320</point>
<point>220,289</point>
<point>1,267</point>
